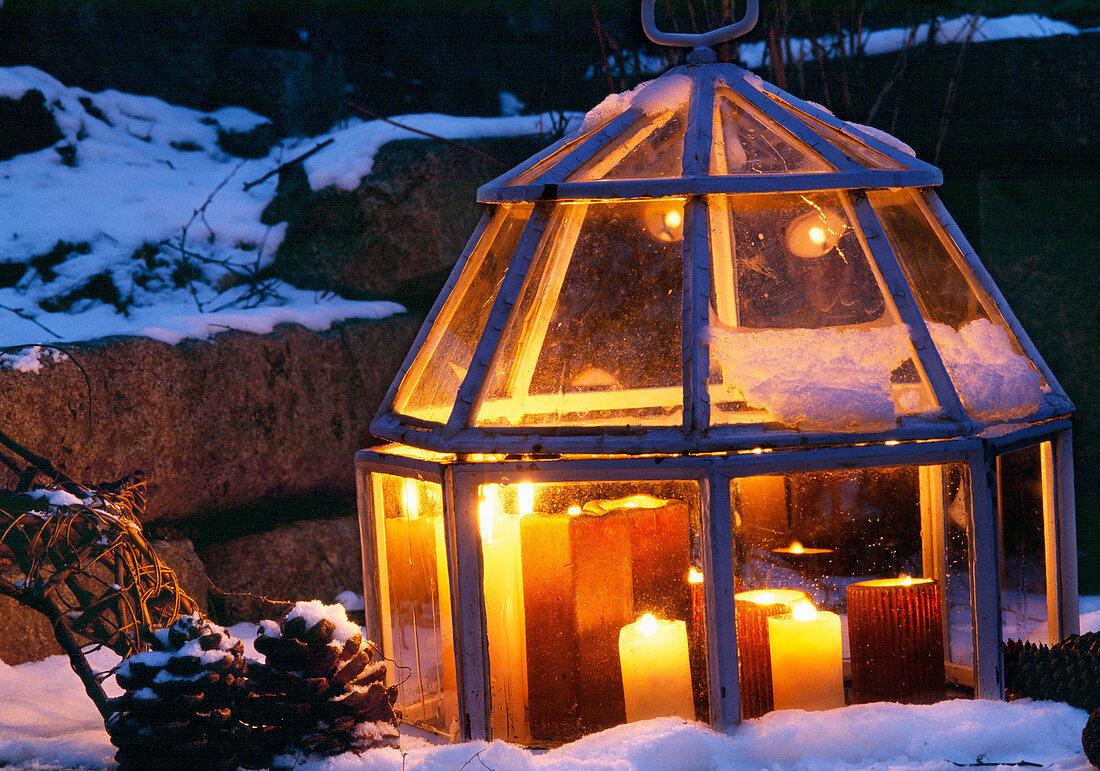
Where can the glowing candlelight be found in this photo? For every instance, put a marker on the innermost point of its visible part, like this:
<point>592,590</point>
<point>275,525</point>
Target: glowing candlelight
<point>806,659</point>
<point>504,614</point>
<point>895,634</point>
<point>753,608</point>
<point>656,671</point>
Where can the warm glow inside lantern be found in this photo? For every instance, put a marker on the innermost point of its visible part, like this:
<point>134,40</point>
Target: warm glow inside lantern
<point>715,355</point>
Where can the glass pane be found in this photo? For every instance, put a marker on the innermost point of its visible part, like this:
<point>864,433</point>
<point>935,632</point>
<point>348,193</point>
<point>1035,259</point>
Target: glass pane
<point>800,330</point>
<point>415,600</point>
<point>593,618</point>
<point>854,149</point>
<point>854,566</point>
<point>554,158</point>
<point>747,142</point>
<point>652,147</point>
<point>429,388</point>
<point>595,334</point>
<point>1022,489</point>
<point>993,377</point>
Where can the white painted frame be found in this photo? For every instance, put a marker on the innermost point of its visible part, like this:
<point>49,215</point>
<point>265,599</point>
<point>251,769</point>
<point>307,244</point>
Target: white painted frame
<point>713,473</point>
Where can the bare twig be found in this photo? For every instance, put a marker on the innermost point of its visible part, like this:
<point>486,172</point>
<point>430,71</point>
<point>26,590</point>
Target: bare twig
<point>428,134</point>
<point>297,159</point>
<point>952,84</point>
<point>26,316</point>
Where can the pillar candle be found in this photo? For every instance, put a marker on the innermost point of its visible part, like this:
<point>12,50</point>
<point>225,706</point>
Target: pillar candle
<point>446,627</point>
<point>895,634</point>
<point>504,623</point>
<point>697,643</point>
<point>753,608</point>
<point>653,654</point>
<point>577,596</point>
<point>807,665</point>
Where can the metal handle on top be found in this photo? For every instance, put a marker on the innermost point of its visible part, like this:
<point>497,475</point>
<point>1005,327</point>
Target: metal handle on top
<point>701,42</point>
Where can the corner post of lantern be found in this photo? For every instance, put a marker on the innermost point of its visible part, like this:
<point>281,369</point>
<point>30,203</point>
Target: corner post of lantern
<point>1067,536</point>
<point>498,316</point>
<point>908,312</point>
<point>696,259</point>
<point>373,561</point>
<point>985,575</point>
<point>472,651</point>
<point>725,709</point>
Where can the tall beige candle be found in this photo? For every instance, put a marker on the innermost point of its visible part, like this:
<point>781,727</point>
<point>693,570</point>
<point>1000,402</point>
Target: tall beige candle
<point>753,608</point>
<point>807,664</point>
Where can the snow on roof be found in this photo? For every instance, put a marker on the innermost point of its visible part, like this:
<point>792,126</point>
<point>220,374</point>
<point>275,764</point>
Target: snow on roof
<point>142,171</point>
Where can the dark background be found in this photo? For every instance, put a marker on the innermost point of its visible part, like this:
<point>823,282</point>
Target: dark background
<point>1015,125</point>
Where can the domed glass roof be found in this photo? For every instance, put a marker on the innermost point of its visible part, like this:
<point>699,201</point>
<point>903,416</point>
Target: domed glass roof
<point>709,263</point>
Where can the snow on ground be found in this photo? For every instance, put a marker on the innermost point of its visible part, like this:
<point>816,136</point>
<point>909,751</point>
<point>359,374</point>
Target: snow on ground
<point>975,28</point>
<point>137,218</point>
<point>47,722</point>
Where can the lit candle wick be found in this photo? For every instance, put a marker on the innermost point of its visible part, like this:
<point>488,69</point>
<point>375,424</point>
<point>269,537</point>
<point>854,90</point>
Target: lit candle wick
<point>796,547</point>
<point>803,610</point>
<point>647,624</point>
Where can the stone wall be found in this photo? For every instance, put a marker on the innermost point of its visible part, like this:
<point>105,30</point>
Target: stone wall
<point>213,424</point>
<point>228,431</point>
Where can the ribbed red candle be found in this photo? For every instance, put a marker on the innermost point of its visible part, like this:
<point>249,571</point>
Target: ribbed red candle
<point>895,634</point>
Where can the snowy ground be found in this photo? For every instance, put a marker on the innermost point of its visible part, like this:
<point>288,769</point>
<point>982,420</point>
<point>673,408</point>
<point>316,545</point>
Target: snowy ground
<point>47,722</point>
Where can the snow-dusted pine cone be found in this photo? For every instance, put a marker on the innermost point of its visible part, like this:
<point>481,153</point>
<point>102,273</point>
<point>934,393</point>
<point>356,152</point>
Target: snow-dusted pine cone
<point>319,691</point>
<point>176,712</point>
<point>1068,671</point>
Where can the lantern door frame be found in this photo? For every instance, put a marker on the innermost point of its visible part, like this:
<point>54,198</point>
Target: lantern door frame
<point>460,478</point>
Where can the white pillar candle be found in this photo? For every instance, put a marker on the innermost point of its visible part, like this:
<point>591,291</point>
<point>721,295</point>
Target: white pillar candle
<point>656,671</point>
<point>807,665</point>
<point>504,618</point>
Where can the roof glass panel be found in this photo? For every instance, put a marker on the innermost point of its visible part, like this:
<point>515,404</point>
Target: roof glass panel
<point>652,147</point>
<point>859,152</point>
<point>595,336</point>
<point>994,378</point>
<point>555,157</point>
<point>747,142</point>
<point>801,332</point>
<point>430,387</point>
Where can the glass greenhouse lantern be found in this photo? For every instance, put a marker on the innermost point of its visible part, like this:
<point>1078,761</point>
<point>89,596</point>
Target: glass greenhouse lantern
<point>719,413</point>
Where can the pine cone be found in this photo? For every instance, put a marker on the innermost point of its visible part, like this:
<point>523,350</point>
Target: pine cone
<point>1067,672</point>
<point>319,690</point>
<point>1090,738</point>
<point>176,712</point>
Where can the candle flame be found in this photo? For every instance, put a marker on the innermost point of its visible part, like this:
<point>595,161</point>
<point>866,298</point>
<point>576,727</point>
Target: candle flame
<point>695,576</point>
<point>905,580</point>
<point>574,510</point>
<point>796,547</point>
<point>764,598</point>
<point>803,610</point>
<point>647,625</point>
